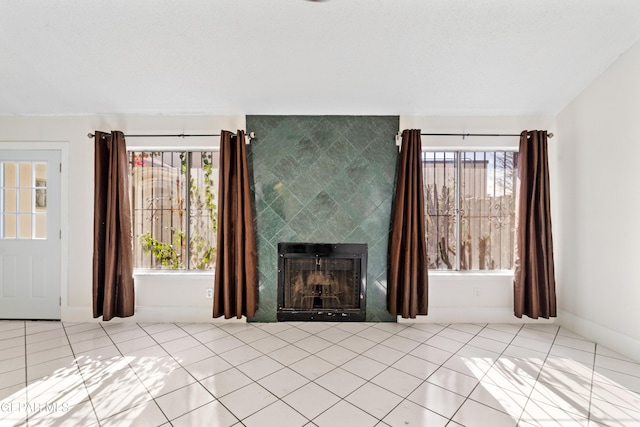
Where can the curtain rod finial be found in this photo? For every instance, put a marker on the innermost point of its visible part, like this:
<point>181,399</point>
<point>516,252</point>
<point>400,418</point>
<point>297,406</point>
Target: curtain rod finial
<point>550,135</point>
<point>90,135</point>
<point>252,135</point>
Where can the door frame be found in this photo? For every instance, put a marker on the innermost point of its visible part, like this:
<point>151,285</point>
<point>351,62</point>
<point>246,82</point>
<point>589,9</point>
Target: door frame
<point>63,148</point>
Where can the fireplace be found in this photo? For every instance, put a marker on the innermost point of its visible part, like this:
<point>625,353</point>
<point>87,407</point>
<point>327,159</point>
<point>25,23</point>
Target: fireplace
<point>322,281</point>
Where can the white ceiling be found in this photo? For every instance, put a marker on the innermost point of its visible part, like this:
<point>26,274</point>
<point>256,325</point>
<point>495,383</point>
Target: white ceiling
<point>434,57</point>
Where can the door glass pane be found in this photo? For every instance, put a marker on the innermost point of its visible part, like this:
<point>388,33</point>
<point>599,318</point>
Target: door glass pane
<point>41,174</point>
<point>9,226</point>
<point>25,200</point>
<point>10,174</point>
<point>41,186</point>
<point>41,226</point>
<point>10,201</point>
<point>25,226</point>
<point>26,177</point>
<point>41,200</point>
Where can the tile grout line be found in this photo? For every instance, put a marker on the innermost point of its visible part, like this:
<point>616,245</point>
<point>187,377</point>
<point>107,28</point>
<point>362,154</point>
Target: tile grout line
<point>26,373</point>
<point>404,398</point>
<point>313,381</point>
<point>422,381</point>
<point>232,367</point>
<point>468,397</point>
<point>593,374</point>
<point>84,383</point>
<point>544,362</point>
<point>286,367</point>
<point>368,381</point>
<point>134,372</point>
<point>278,398</point>
<point>442,366</point>
<point>182,367</point>
<point>153,398</point>
<point>283,367</point>
<point>388,366</point>
<point>215,399</point>
<point>309,380</point>
<point>548,361</point>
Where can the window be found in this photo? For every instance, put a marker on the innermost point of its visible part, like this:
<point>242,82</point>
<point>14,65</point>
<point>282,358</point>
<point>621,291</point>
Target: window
<point>174,203</point>
<point>23,200</point>
<point>470,209</point>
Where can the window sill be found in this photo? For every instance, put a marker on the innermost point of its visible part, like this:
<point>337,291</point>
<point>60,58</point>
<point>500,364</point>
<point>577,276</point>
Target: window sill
<point>474,273</point>
<point>195,273</point>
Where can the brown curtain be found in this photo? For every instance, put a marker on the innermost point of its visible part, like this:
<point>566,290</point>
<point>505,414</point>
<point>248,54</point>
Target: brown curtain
<point>113,294</point>
<point>408,282</point>
<point>534,282</point>
<point>235,290</point>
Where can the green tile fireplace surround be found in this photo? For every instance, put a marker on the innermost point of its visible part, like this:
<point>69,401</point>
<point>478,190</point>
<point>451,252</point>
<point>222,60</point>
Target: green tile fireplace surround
<point>325,179</point>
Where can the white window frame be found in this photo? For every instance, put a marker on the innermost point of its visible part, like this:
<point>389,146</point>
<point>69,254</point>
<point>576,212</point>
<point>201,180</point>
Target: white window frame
<point>141,271</point>
<point>446,144</point>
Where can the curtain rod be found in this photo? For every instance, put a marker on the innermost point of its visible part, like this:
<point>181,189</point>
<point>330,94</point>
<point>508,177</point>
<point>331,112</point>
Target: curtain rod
<point>251,135</point>
<point>463,135</point>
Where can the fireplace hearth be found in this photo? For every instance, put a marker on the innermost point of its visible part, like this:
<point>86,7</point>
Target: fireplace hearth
<point>322,281</point>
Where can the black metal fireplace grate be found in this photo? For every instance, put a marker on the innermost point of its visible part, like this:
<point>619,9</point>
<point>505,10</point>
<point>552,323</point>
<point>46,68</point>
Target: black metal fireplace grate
<point>322,281</point>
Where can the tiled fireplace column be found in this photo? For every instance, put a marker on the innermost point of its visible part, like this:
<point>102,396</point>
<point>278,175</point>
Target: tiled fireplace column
<point>323,179</point>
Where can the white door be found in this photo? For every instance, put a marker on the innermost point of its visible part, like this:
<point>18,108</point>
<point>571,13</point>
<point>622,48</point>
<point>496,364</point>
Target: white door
<point>30,234</point>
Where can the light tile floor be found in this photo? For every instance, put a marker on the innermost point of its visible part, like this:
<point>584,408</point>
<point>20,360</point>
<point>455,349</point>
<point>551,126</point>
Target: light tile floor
<point>311,374</point>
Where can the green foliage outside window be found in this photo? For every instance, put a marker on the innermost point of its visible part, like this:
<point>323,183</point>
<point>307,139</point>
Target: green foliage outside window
<point>171,244</point>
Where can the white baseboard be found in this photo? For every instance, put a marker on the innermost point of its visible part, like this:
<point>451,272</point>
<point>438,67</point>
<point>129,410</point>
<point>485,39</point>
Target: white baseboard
<point>472,315</point>
<point>620,343</point>
<point>151,315</point>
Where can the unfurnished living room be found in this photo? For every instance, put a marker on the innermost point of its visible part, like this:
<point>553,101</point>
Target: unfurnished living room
<point>319,213</point>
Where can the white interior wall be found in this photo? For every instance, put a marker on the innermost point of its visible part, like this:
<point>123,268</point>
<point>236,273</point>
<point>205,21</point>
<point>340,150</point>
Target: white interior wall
<point>174,298</point>
<point>598,169</point>
<point>453,297</point>
<point>478,297</point>
<point>592,199</point>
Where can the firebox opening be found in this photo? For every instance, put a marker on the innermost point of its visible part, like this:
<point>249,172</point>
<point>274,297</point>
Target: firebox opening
<point>321,281</point>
